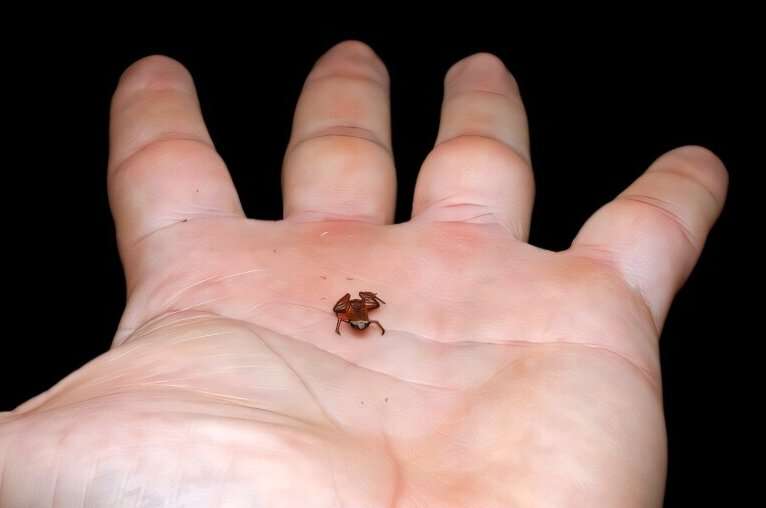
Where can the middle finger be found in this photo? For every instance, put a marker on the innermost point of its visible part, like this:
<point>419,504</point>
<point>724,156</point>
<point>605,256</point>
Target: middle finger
<point>339,163</point>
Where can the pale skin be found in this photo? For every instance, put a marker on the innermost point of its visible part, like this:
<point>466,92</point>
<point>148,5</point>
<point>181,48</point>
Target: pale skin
<point>519,378</point>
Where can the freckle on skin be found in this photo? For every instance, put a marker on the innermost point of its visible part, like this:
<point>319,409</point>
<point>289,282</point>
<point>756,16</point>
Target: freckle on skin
<point>323,277</point>
<point>386,399</point>
<point>349,278</point>
<point>275,251</point>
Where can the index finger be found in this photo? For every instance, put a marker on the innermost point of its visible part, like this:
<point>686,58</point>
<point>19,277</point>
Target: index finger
<point>163,168</point>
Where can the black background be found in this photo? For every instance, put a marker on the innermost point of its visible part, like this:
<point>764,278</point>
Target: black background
<point>600,111</point>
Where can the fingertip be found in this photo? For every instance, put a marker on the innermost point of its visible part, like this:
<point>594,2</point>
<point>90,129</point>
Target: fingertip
<point>154,72</point>
<point>354,47</point>
<point>481,66</point>
<point>349,56</point>
<point>482,60</point>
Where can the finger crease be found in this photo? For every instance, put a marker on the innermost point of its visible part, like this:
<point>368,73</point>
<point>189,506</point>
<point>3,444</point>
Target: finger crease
<point>347,131</point>
<point>516,150</point>
<point>662,207</point>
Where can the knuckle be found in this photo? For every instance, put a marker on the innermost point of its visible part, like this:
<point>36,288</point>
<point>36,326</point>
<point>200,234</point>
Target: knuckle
<point>161,156</point>
<point>473,151</point>
<point>339,144</point>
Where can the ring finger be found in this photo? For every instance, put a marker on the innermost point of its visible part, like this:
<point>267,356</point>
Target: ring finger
<point>479,170</point>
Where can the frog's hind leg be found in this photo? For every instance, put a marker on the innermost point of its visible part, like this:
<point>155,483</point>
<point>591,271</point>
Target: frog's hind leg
<point>382,330</point>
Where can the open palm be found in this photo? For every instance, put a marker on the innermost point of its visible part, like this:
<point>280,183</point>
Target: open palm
<point>508,375</point>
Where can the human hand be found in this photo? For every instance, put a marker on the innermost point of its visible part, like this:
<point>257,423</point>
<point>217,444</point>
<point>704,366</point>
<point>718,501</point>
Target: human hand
<point>508,376</point>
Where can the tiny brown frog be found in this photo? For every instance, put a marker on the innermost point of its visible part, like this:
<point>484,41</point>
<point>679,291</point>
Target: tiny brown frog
<point>354,311</point>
